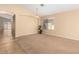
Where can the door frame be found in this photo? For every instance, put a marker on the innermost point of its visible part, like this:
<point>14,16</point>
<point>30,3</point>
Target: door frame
<point>13,27</point>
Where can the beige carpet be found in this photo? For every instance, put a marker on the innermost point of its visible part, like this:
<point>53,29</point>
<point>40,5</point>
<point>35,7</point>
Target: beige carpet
<point>47,44</point>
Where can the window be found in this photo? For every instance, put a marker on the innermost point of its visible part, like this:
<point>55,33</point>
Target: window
<point>48,24</point>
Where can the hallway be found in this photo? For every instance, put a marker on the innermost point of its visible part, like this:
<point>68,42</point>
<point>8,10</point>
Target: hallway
<point>7,44</point>
<point>5,30</point>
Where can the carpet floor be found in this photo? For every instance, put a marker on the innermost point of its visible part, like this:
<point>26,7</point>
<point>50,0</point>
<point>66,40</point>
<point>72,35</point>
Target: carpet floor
<point>45,44</point>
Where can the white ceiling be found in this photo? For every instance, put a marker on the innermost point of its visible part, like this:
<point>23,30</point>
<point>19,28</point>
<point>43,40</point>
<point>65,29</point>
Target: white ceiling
<point>49,9</point>
<point>7,16</point>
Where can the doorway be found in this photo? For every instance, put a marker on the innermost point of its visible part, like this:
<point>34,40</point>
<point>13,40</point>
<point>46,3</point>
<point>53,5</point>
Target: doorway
<point>7,27</point>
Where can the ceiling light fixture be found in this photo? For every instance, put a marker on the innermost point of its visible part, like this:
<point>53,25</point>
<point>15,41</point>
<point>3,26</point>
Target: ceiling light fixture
<point>37,16</point>
<point>41,5</point>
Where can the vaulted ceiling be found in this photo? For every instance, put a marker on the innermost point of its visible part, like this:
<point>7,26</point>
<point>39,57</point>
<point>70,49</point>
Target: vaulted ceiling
<point>49,9</point>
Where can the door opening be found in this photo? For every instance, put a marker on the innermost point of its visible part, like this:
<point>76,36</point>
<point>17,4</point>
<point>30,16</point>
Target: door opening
<point>7,26</point>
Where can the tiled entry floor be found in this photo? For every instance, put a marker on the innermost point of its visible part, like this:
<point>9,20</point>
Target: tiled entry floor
<point>8,45</point>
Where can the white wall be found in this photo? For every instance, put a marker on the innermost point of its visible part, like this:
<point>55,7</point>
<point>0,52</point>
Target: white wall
<point>25,25</point>
<point>66,25</point>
